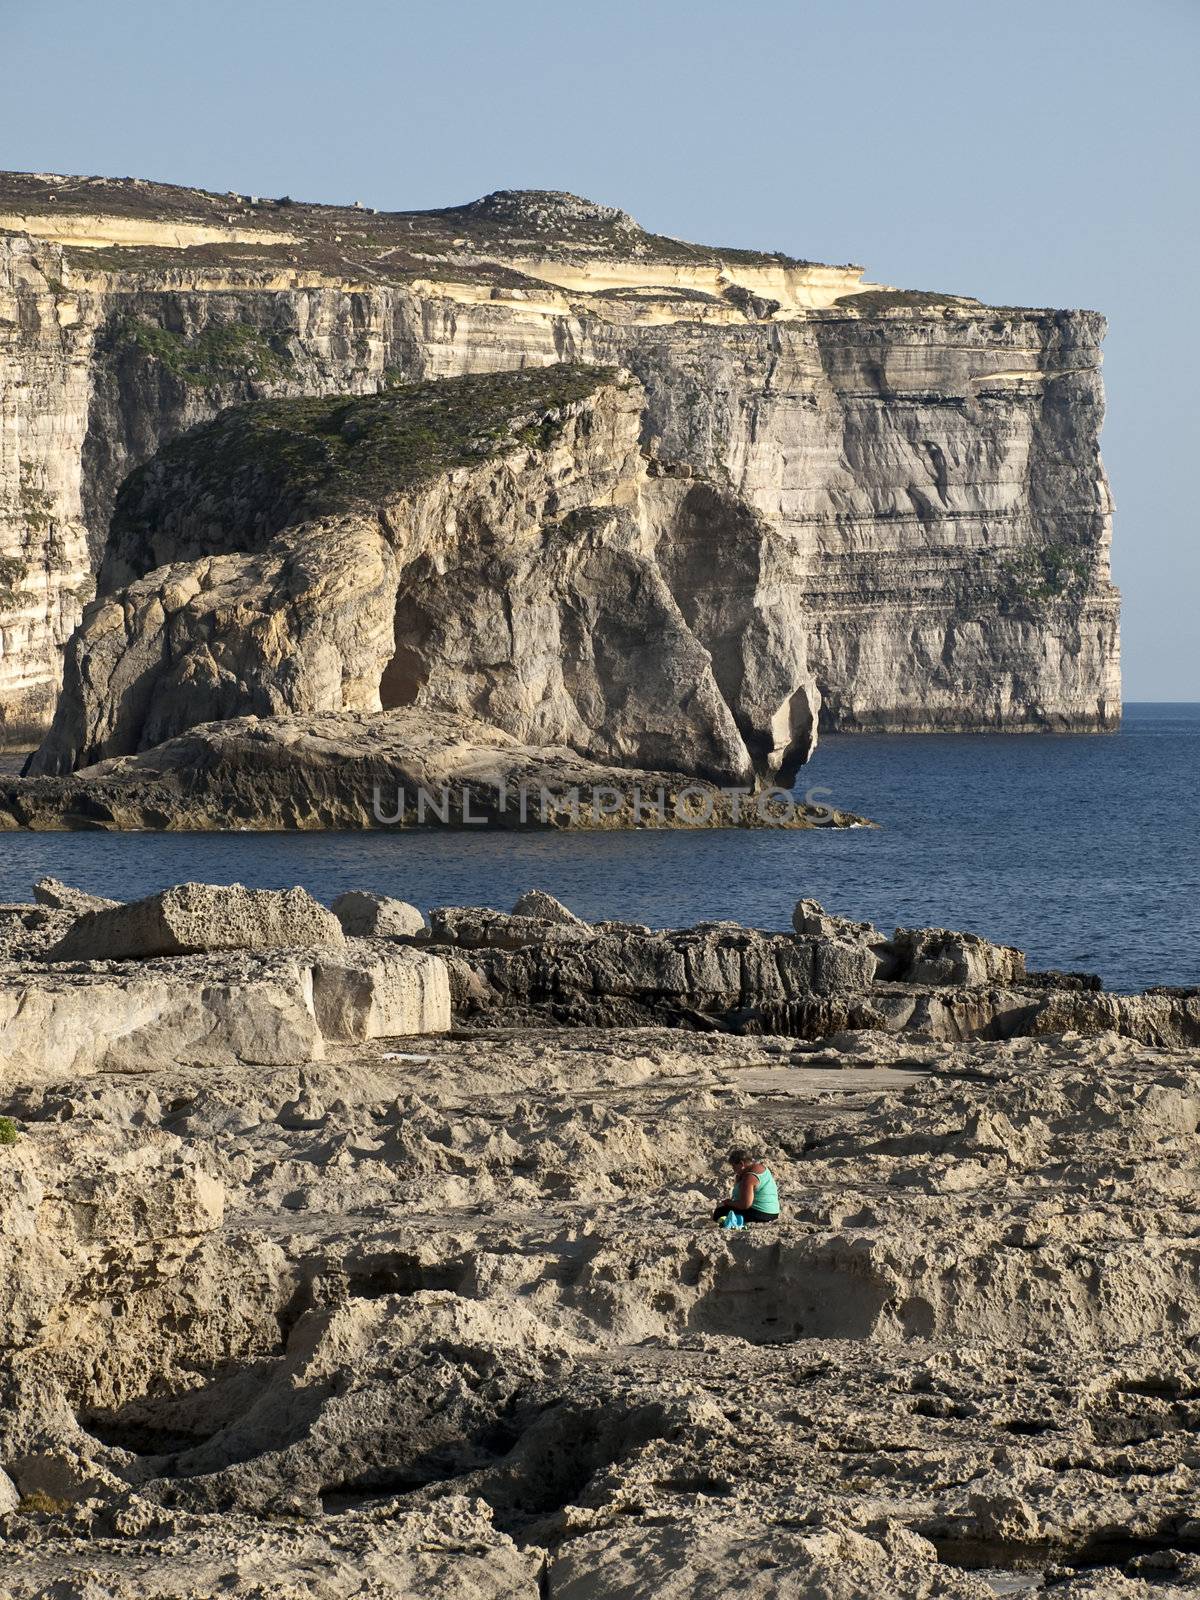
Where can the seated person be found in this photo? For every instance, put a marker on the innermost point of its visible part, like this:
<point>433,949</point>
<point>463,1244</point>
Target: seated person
<point>755,1196</point>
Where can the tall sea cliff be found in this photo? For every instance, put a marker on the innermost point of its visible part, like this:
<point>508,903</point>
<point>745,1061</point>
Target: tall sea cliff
<point>930,513</point>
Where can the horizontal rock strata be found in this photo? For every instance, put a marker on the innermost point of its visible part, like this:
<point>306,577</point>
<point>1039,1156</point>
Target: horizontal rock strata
<point>124,1017</point>
<point>394,769</point>
<point>921,472</point>
<point>200,974</point>
<point>832,975</point>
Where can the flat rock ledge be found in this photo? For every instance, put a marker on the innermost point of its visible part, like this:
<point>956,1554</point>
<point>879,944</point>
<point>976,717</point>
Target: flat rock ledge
<point>290,1310</point>
<point>455,1321</point>
<point>210,975</point>
<point>397,769</point>
<point>253,1007</point>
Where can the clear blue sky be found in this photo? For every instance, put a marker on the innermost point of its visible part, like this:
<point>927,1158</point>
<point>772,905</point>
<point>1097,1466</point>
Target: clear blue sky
<point>1038,152</point>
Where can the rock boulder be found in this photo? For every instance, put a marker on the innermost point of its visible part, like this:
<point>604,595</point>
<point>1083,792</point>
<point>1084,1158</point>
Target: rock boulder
<point>376,916</point>
<point>263,1008</point>
<point>938,956</point>
<point>62,897</point>
<point>195,917</point>
<point>537,903</point>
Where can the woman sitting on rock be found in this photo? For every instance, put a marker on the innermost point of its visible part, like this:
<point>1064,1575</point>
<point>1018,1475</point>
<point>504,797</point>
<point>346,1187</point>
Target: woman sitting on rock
<point>755,1196</point>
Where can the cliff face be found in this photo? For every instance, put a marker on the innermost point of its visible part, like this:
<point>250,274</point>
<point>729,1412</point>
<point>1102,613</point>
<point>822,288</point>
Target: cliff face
<point>45,567</point>
<point>496,547</point>
<point>921,473</point>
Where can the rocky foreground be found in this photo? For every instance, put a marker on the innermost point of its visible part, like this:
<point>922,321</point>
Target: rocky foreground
<point>359,1253</point>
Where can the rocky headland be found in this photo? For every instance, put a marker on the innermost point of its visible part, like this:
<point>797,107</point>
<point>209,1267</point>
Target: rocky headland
<point>895,496</point>
<point>361,1251</point>
<point>485,586</point>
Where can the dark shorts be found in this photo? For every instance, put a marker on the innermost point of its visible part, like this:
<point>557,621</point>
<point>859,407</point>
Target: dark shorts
<point>750,1214</point>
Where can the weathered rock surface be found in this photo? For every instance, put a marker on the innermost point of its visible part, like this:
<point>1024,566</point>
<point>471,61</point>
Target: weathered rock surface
<point>403,1556</point>
<point>62,897</point>
<point>918,474</point>
<point>833,975</point>
<point>453,1321</point>
<point>366,915</point>
<point>936,955</point>
<point>394,769</point>
<point>195,917</point>
<point>537,903</point>
<point>29,930</point>
<point>97,1015</point>
<point>490,547</point>
<point>204,974</point>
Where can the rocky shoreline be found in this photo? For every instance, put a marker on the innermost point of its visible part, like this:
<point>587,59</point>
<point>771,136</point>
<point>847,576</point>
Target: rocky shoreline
<point>396,769</point>
<point>359,1251</point>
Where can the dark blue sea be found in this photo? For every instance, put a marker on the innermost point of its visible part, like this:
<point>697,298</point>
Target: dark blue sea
<point>1084,851</point>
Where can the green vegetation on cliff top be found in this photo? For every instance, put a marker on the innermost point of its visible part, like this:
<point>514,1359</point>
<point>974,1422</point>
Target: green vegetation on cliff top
<point>873,301</point>
<point>879,302</point>
<point>277,459</point>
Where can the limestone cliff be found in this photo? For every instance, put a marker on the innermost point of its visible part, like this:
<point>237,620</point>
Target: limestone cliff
<point>924,469</point>
<point>494,547</point>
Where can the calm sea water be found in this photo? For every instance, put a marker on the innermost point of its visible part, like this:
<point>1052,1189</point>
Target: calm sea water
<point>1084,851</point>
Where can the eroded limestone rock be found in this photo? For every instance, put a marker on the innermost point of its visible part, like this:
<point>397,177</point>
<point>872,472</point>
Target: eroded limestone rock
<point>373,992</point>
<point>365,915</point>
<point>936,955</point>
<point>195,917</point>
<point>365,553</point>
<point>810,917</point>
<point>29,930</point>
<point>298,1312</point>
<point>62,897</point>
<point>137,1016</point>
<point>841,975</point>
<point>867,431</point>
<point>459,1324</point>
<point>537,903</point>
<point>452,1547</point>
<point>394,769</point>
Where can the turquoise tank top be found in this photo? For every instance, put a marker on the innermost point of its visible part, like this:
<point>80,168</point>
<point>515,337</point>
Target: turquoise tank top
<point>766,1196</point>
